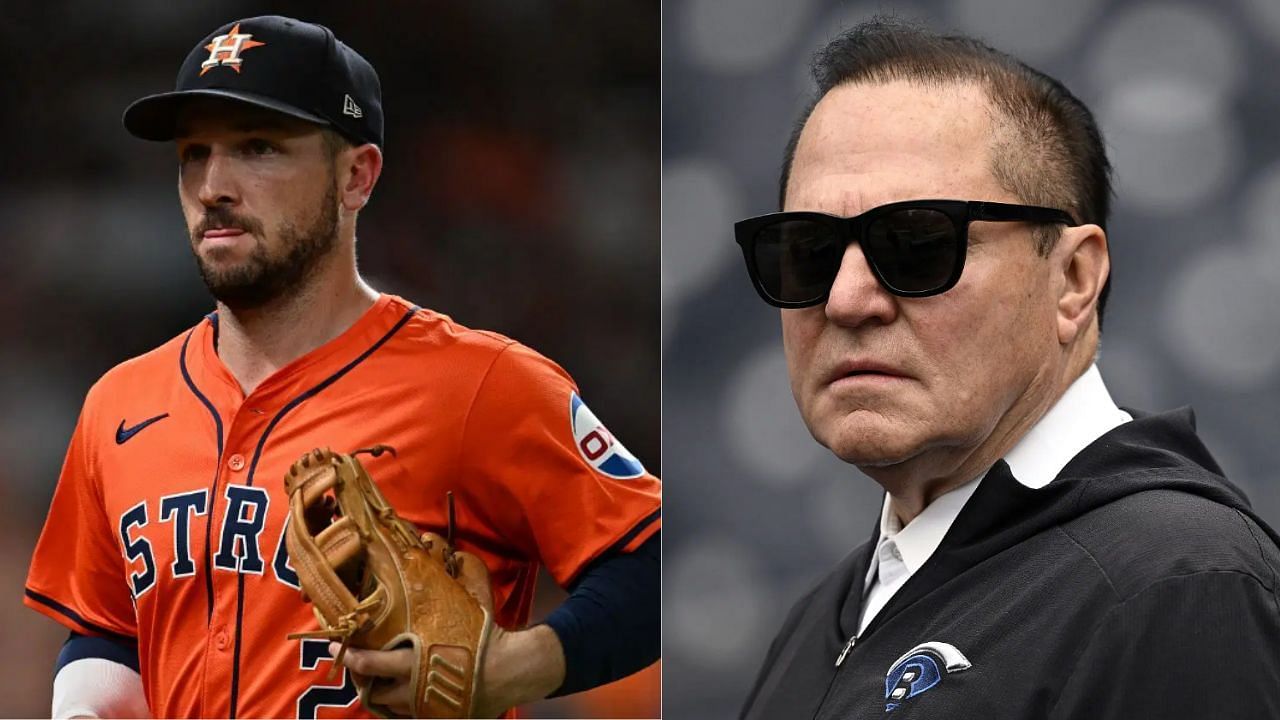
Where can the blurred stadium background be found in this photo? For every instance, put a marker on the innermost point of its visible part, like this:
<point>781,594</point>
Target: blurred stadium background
<point>520,194</point>
<point>756,511</point>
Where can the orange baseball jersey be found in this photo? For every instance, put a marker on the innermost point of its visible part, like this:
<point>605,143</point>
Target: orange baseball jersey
<point>167,522</point>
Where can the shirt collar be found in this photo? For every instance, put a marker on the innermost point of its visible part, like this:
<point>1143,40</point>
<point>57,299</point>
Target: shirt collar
<point>1084,413</point>
<point>917,541</point>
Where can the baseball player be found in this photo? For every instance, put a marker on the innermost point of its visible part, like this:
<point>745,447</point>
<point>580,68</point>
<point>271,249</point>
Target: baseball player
<point>164,550</point>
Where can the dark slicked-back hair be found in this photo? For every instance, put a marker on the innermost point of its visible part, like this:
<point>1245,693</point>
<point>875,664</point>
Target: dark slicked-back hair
<point>1046,147</point>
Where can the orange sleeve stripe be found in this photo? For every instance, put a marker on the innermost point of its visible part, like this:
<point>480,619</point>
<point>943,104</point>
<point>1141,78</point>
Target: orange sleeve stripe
<point>68,617</point>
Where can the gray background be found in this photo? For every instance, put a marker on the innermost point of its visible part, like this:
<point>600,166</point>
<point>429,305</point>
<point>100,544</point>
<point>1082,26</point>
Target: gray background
<point>520,194</point>
<point>1187,97</point>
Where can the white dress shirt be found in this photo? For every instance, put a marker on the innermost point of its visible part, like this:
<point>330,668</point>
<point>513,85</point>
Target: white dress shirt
<point>1084,413</point>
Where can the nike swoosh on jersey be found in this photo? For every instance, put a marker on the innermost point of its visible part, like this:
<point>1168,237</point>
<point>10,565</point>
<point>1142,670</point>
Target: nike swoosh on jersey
<point>123,434</point>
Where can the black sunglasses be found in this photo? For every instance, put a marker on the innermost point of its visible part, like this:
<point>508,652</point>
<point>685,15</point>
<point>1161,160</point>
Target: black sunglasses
<point>915,248</point>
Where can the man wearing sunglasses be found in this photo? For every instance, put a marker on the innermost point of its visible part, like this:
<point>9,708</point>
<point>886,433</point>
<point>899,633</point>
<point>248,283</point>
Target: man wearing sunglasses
<point>941,262</point>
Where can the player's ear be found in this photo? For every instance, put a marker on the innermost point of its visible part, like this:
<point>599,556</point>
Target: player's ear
<point>358,169</point>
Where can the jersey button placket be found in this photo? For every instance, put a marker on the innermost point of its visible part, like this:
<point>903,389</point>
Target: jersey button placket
<point>242,433</point>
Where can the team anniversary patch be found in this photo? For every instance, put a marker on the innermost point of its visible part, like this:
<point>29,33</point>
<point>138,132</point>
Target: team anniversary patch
<point>598,446</point>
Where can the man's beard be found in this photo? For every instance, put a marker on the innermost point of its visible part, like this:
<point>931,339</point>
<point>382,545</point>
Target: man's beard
<point>261,279</point>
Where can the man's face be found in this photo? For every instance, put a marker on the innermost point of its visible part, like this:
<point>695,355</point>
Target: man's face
<point>950,366</point>
<point>259,195</point>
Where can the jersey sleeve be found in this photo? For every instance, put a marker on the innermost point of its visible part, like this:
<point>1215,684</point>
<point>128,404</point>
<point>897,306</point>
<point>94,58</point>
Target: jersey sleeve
<point>77,571</point>
<point>547,474</point>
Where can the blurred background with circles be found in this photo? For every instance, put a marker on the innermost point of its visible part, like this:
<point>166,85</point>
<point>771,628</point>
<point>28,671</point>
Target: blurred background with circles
<point>520,194</point>
<point>755,510</point>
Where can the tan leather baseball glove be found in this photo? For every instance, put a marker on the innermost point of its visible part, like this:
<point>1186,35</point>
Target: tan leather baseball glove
<point>375,583</point>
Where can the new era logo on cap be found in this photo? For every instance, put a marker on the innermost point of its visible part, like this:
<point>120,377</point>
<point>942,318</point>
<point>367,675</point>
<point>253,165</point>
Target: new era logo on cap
<point>349,107</point>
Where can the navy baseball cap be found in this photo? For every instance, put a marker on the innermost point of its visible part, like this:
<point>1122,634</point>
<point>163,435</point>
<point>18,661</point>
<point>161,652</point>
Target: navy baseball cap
<point>286,65</point>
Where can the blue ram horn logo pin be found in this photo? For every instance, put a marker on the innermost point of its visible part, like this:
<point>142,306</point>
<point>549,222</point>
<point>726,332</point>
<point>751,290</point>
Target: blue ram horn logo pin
<point>920,669</point>
<point>598,446</point>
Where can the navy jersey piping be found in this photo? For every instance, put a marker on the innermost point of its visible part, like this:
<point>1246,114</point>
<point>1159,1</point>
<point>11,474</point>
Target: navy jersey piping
<point>633,532</point>
<point>75,617</point>
<point>213,488</point>
<point>84,647</point>
<point>617,545</point>
<point>253,466</point>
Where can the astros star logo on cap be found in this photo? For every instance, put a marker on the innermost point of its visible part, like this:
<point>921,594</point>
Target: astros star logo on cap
<point>226,49</point>
<point>307,73</point>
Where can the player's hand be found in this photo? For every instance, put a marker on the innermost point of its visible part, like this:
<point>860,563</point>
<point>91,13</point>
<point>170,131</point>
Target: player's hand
<point>391,667</point>
<point>391,670</point>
